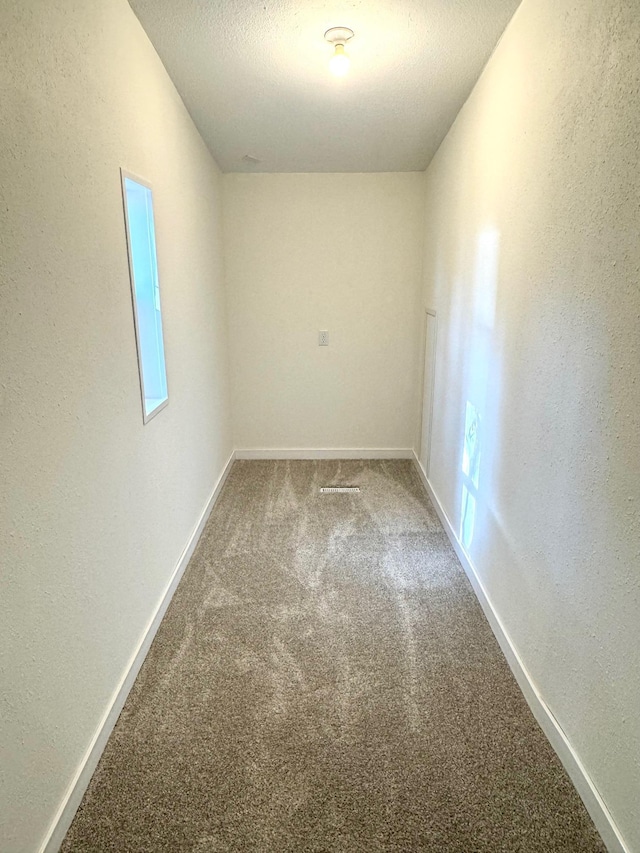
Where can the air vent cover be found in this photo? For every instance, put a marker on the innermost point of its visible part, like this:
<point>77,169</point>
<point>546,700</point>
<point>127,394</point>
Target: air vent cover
<point>332,489</point>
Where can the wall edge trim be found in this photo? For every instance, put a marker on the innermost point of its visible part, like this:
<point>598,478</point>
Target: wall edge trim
<point>584,785</point>
<point>75,792</point>
<point>324,453</point>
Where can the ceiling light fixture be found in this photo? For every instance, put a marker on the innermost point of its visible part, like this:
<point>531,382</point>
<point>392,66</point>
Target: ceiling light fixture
<point>338,37</point>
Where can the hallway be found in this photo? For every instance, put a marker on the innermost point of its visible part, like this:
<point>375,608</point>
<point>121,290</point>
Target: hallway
<point>222,266</point>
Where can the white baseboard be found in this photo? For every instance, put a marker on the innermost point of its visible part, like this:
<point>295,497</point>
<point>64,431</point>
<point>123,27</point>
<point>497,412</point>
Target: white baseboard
<point>75,792</point>
<point>325,453</point>
<point>578,774</point>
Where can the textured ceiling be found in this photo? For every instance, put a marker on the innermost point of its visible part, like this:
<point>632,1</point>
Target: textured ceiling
<point>254,76</point>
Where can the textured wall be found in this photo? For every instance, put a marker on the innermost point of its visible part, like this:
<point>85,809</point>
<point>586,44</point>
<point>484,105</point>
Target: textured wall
<point>341,252</point>
<point>95,508</point>
<point>533,264</point>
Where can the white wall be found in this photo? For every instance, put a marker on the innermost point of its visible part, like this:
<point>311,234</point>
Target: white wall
<point>341,252</point>
<point>532,261</point>
<point>95,508</point>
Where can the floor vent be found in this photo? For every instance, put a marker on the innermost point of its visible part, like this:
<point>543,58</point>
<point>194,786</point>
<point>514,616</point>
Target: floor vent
<point>325,489</point>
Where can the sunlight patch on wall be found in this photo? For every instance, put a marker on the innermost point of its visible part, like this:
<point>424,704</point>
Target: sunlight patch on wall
<point>483,392</point>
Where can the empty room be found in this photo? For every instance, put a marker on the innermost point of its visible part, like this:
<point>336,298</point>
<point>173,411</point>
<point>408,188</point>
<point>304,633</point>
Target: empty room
<point>319,426</point>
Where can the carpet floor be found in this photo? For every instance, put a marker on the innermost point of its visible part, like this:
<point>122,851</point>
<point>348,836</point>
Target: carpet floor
<point>325,680</point>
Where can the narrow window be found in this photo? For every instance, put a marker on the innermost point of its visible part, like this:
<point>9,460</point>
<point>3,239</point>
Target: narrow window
<point>145,292</point>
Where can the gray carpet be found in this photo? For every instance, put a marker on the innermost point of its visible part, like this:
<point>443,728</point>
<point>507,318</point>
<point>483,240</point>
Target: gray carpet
<point>325,680</point>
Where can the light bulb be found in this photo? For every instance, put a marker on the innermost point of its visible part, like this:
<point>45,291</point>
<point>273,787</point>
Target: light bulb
<point>339,63</point>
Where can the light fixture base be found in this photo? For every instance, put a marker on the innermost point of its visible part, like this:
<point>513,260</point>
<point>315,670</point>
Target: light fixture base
<point>338,35</point>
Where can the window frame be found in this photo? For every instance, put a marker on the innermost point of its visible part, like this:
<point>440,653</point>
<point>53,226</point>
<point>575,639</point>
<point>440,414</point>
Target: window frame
<point>124,174</point>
